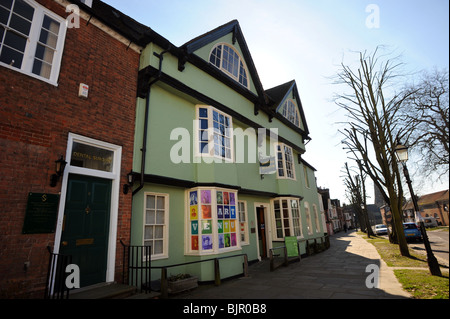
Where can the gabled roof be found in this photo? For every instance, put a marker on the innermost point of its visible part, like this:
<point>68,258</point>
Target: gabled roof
<point>429,199</point>
<point>231,27</point>
<point>268,101</point>
<point>434,197</point>
<point>279,94</point>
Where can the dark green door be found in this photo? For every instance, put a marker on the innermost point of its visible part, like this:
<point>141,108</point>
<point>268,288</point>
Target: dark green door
<point>86,226</point>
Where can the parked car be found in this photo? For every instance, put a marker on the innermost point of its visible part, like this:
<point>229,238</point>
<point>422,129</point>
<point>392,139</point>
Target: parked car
<point>430,222</point>
<point>412,232</point>
<point>381,229</point>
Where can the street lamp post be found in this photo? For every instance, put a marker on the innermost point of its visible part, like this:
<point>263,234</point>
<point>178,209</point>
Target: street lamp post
<point>402,156</point>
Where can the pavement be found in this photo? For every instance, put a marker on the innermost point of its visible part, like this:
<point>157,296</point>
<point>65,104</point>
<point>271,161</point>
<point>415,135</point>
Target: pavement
<point>337,273</point>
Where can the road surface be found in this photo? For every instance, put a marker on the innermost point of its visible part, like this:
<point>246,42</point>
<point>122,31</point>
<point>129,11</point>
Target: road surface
<point>439,245</point>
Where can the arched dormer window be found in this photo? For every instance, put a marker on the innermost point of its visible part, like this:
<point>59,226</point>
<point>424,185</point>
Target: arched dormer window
<point>226,58</point>
<point>290,112</point>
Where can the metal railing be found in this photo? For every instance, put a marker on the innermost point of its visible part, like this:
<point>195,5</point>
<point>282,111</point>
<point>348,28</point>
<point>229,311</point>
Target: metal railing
<point>137,266</point>
<point>55,285</point>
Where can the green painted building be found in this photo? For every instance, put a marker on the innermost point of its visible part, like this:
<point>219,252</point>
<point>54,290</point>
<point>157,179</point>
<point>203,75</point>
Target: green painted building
<point>218,168</point>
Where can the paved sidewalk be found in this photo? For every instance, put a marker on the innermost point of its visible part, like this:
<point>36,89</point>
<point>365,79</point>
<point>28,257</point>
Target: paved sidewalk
<point>337,273</point>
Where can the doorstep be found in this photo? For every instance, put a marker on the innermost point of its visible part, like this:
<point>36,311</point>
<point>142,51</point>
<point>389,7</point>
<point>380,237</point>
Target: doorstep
<point>103,291</point>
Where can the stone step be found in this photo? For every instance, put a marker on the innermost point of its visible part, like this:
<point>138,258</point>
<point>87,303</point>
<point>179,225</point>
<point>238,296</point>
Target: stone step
<point>103,291</point>
<point>143,295</point>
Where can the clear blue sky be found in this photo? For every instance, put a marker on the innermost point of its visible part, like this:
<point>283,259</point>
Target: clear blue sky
<point>306,40</point>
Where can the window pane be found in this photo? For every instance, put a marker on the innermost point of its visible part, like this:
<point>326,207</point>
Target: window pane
<point>23,9</point>
<point>277,204</point>
<point>150,217</point>
<point>204,148</point>
<point>159,232</point>
<point>203,136</point>
<point>7,3</point>
<point>160,217</point>
<point>202,112</point>
<point>4,15</point>
<point>41,68</point>
<point>294,203</point>
<point>20,24</point>
<point>158,247</point>
<point>216,56</point>
<point>92,157</point>
<point>15,41</point>
<point>151,201</point>
<point>160,204</point>
<point>48,38</point>
<point>50,25</point>
<point>44,53</point>
<point>204,124</point>
<point>287,232</point>
<point>148,234</point>
<point>11,57</point>
<point>217,150</point>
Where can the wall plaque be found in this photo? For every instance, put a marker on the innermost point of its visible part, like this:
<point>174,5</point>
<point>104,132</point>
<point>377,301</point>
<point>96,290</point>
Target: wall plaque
<point>41,213</point>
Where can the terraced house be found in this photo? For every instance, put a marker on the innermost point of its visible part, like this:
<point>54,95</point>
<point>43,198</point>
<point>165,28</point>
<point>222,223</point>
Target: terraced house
<point>218,169</point>
<point>68,78</point>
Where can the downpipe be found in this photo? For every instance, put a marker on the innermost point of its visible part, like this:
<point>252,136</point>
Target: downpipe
<point>147,111</point>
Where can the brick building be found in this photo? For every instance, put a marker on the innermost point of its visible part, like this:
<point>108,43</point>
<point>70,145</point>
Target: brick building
<point>431,205</point>
<point>68,79</point>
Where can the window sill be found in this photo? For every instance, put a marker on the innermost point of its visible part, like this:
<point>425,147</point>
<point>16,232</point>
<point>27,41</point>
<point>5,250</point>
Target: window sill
<point>37,77</point>
<point>211,159</point>
<point>159,257</point>
<point>213,252</point>
<point>287,178</point>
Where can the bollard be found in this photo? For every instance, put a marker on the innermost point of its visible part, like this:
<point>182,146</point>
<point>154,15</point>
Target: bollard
<point>272,266</point>
<point>164,284</point>
<point>216,272</point>
<point>245,266</point>
<point>286,260</point>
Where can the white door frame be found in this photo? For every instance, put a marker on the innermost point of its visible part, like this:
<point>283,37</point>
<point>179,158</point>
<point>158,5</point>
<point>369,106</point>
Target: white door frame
<point>114,176</point>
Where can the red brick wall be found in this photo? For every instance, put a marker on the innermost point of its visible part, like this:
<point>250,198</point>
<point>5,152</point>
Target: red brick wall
<point>35,119</point>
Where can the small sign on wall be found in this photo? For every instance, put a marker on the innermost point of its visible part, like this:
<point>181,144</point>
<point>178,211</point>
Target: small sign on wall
<point>41,213</point>
<point>83,91</point>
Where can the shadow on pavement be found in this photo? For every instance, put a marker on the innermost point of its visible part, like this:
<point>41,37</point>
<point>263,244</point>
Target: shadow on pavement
<point>337,273</point>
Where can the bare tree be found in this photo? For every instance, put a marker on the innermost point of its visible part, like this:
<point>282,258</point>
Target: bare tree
<point>373,128</point>
<point>426,116</point>
<point>356,194</point>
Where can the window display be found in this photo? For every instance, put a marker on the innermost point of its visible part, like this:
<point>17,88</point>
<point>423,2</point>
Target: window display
<point>213,220</point>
